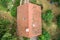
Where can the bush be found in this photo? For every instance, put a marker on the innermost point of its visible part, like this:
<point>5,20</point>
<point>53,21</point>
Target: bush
<point>14,8</point>
<point>58,26</point>
<point>4,26</point>
<point>33,1</point>
<point>57,1</point>
<point>45,35</point>
<point>7,31</point>
<point>14,11</point>
<point>48,16</point>
<point>3,3</point>
<point>58,20</point>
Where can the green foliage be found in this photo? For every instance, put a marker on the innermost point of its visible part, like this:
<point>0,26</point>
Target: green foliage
<point>58,27</point>
<point>58,20</point>
<point>3,3</point>
<point>8,36</point>
<point>3,26</point>
<point>48,16</point>
<point>14,8</point>
<point>26,38</point>
<point>8,0</point>
<point>7,30</point>
<point>45,35</point>
<point>2,8</point>
<point>17,3</point>
<point>58,38</point>
<point>14,11</point>
<point>57,1</point>
<point>33,1</point>
<point>9,5</point>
